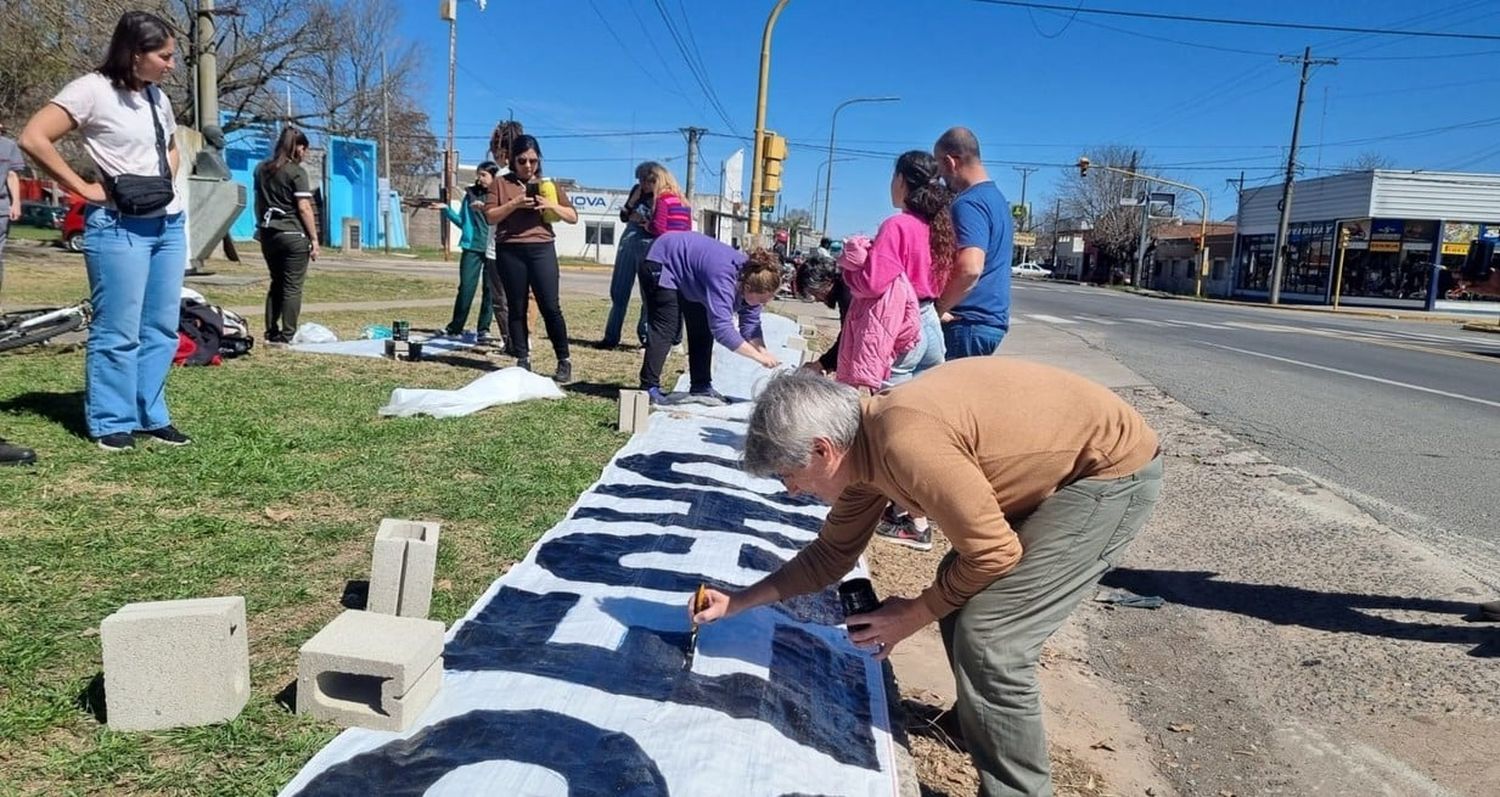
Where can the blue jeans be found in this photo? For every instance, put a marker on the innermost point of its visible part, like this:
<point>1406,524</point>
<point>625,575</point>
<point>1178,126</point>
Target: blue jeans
<point>634,244</point>
<point>928,352</point>
<point>971,340</point>
<point>135,268</point>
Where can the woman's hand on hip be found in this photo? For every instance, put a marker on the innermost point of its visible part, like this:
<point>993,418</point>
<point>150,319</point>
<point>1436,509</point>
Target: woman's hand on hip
<point>93,192</point>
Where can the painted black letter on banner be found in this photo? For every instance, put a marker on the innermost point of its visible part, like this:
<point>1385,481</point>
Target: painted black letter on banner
<point>595,762</point>
<point>816,696</point>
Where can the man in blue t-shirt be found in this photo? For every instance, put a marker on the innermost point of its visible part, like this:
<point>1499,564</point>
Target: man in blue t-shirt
<point>975,306</point>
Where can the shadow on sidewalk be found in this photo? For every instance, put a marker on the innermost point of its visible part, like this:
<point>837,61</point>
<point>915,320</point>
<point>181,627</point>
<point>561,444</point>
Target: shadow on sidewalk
<point>1336,612</point>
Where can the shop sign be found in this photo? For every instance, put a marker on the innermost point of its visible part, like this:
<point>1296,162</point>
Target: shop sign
<point>1359,233</point>
<point>1385,246</point>
<point>1386,230</point>
<point>1420,230</point>
<point>1025,239</point>
<point>1455,248</point>
<point>1459,232</point>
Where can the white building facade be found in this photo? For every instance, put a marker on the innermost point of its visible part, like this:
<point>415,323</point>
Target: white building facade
<point>1410,232</point>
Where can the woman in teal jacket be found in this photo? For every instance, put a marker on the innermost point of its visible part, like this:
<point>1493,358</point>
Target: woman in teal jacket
<point>475,237</point>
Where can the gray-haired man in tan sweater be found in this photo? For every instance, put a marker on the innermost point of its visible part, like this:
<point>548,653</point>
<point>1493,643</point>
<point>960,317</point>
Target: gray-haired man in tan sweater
<point>1037,477</point>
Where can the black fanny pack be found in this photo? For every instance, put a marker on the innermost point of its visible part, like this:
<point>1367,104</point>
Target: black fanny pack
<point>142,194</point>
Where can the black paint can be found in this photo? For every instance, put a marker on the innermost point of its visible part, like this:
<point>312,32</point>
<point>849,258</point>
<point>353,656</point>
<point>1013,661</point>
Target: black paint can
<point>414,350</point>
<point>858,597</point>
<point>400,330</point>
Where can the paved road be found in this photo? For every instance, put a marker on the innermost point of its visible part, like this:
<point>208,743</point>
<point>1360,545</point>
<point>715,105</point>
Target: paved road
<point>1404,416</point>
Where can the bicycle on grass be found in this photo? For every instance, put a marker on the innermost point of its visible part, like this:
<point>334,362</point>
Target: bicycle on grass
<point>30,327</point>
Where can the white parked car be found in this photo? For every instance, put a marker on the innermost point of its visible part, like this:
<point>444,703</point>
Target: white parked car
<point>1031,270</point>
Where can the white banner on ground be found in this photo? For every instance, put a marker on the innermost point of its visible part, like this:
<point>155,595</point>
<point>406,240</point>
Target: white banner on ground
<point>568,676</point>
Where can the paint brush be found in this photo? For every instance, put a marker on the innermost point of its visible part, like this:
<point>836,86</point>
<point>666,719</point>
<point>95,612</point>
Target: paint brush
<point>700,602</point>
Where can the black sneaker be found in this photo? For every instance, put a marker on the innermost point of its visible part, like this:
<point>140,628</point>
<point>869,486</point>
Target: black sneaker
<point>564,372</point>
<point>168,434</point>
<point>11,454</point>
<point>524,364</point>
<point>119,441</point>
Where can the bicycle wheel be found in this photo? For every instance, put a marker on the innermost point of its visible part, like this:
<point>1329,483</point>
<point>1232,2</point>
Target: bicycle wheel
<point>13,338</point>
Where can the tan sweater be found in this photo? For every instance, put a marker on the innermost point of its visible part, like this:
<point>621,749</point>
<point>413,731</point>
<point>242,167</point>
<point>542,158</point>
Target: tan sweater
<point>972,444</point>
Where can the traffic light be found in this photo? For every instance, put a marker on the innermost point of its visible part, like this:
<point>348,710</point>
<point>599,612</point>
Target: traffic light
<point>1083,167</point>
<point>773,152</point>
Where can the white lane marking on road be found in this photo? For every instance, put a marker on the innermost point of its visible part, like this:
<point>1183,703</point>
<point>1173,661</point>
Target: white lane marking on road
<point>1200,324</point>
<point>1146,321</point>
<point>1355,375</point>
<point>1051,319</point>
<point>1104,321</point>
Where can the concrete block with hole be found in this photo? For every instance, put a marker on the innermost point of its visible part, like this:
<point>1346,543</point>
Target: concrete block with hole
<point>796,343</point>
<point>172,664</point>
<point>402,570</point>
<point>635,410</point>
<point>371,670</point>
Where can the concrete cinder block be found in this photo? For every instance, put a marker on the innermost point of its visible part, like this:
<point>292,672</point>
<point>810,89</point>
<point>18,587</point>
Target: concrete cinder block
<point>635,410</point>
<point>371,670</point>
<point>796,343</point>
<point>170,664</point>
<point>402,568</point>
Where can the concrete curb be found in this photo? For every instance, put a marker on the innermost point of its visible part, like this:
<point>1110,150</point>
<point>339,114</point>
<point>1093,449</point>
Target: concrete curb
<point>1362,312</point>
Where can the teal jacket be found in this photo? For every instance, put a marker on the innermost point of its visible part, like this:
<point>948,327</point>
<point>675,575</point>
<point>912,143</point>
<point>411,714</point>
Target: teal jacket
<point>476,231</point>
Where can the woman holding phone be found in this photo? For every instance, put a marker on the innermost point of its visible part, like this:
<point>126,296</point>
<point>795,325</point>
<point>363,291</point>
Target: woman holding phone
<point>522,210</point>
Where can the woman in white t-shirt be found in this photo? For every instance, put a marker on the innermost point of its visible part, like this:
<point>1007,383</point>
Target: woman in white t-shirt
<point>135,260</point>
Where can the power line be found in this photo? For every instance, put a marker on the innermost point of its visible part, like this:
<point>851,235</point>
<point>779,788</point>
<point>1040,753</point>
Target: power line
<point>1245,23</point>
<point>700,76</point>
<point>610,29</point>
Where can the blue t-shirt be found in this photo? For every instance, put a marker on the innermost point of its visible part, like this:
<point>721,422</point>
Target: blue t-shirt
<point>981,217</point>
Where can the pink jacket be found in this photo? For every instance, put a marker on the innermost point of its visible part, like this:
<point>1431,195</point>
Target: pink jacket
<point>883,322</point>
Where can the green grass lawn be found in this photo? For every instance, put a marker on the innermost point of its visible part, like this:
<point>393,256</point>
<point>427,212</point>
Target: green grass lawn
<point>277,500</point>
<point>26,232</point>
<point>61,280</point>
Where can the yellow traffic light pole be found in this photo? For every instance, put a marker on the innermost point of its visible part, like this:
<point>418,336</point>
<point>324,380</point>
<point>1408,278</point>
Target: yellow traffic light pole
<point>1083,170</point>
<point>1338,273</point>
<point>757,171</point>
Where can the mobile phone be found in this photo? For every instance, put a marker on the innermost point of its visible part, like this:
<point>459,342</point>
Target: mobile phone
<point>858,597</point>
<point>533,189</point>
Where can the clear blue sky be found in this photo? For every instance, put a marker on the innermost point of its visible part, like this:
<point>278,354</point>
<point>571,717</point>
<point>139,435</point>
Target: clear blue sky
<point>1204,101</point>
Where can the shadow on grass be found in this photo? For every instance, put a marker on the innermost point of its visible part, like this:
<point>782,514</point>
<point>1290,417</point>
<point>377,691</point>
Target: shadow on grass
<point>63,409</point>
<point>604,390</point>
<point>91,699</point>
<point>287,697</point>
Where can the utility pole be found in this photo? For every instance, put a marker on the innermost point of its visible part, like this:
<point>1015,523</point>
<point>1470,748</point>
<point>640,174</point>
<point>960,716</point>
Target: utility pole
<point>385,148</point>
<point>693,134</point>
<point>1234,249</point>
<point>757,168</point>
<point>1056,229</point>
<point>1025,173</point>
<point>1026,219</point>
<point>1140,251</point>
<point>207,73</point>
<point>1278,261</point>
<point>450,13</point>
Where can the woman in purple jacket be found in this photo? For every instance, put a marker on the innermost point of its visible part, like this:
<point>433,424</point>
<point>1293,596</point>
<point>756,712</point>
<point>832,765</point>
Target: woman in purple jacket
<point>718,291</point>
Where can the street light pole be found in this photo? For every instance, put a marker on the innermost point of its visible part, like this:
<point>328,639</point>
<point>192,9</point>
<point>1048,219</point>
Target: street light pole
<point>757,170</point>
<point>832,126</point>
<point>1084,164</point>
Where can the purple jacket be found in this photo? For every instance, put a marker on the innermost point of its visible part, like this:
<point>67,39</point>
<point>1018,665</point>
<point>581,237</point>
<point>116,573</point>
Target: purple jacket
<point>705,271</point>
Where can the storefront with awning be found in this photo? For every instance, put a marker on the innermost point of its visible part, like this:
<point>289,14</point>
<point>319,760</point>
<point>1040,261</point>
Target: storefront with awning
<point>1407,235</point>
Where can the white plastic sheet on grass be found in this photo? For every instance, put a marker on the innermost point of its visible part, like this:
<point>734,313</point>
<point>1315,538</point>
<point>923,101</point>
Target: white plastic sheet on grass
<point>506,386</point>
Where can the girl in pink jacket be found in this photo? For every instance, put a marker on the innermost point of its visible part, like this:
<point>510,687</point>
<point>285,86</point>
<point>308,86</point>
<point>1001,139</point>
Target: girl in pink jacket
<point>883,322</point>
